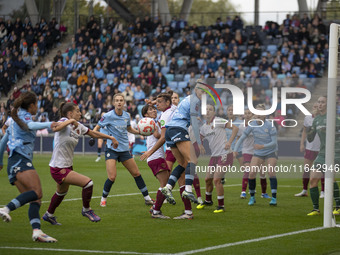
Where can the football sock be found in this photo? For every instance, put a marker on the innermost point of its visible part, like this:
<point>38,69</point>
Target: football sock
<point>273,186</point>
<point>263,184</point>
<point>22,199</point>
<point>87,194</point>
<point>208,196</point>
<point>55,201</point>
<point>314,194</point>
<point>220,200</point>
<point>141,185</point>
<point>252,186</point>
<point>245,181</point>
<point>159,200</point>
<point>322,184</point>
<point>107,187</point>
<point>176,173</point>
<point>187,203</point>
<point>197,185</point>
<point>33,215</point>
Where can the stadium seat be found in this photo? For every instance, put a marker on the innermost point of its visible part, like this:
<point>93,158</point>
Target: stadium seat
<point>302,76</point>
<point>296,69</point>
<point>136,69</point>
<point>165,70</point>
<point>134,62</point>
<point>140,62</point>
<point>187,77</point>
<point>281,76</point>
<point>254,68</point>
<point>63,85</point>
<point>110,77</point>
<point>246,69</point>
<point>178,55</point>
<point>232,62</point>
<point>173,85</point>
<point>272,48</point>
<point>200,62</point>
<point>169,77</point>
<point>179,77</point>
<point>182,85</point>
<point>179,62</point>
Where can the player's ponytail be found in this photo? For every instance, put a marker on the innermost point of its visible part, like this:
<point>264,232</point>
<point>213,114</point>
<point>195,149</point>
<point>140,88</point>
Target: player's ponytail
<point>65,108</point>
<point>23,101</point>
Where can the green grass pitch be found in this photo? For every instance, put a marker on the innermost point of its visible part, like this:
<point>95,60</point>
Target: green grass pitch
<point>126,225</point>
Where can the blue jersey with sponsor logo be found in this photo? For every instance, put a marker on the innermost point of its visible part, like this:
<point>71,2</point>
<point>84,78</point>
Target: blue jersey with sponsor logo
<point>181,117</point>
<point>22,141</point>
<point>189,107</point>
<point>265,134</point>
<point>116,126</point>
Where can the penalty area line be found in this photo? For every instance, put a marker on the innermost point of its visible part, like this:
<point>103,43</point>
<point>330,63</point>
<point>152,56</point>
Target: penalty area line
<point>265,238</point>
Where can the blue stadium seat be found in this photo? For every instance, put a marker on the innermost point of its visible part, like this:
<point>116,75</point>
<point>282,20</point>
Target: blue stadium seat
<point>232,62</point>
<point>140,62</point>
<point>169,77</point>
<point>136,69</point>
<point>302,76</point>
<point>281,76</point>
<point>110,77</point>
<point>179,77</point>
<point>272,48</point>
<point>182,84</point>
<point>187,77</point>
<point>254,68</point>
<point>179,62</point>
<point>134,62</point>
<point>165,70</point>
<point>63,85</point>
<point>200,62</point>
<point>296,69</point>
<point>173,85</point>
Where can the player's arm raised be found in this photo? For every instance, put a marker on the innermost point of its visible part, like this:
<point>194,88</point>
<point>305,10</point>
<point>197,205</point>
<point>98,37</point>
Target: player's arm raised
<point>96,134</point>
<point>62,125</point>
<point>132,130</point>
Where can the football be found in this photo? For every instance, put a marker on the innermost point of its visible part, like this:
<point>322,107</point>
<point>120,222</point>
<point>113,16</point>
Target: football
<point>146,126</point>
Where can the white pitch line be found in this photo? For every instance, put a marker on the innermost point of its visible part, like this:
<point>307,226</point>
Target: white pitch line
<point>265,238</point>
<point>150,192</point>
<point>80,251</point>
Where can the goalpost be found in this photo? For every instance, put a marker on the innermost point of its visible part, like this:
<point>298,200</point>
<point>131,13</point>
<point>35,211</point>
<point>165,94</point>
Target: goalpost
<point>331,122</point>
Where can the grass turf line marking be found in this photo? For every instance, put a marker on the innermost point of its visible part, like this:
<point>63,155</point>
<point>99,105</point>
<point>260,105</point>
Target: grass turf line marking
<point>150,192</point>
<point>265,238</point>
<point>80,251</point>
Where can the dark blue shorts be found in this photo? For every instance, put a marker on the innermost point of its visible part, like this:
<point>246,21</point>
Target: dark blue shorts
<point>239,155</point>
<point>270,155</point>
<point>119,156</point>
<point>17,163</point>
<point>174,135</point>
